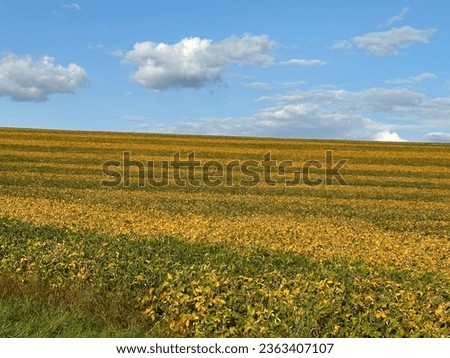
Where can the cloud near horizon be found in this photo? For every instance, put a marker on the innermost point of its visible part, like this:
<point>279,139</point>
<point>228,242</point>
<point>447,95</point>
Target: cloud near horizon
<point>194,62</point>
<point>388,136</point>
<point>332,114</point>
<point>22,79</point>
<point>438,137</point>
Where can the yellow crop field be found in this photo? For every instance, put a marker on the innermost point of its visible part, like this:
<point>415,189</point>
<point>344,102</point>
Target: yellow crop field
<point>252,242</point>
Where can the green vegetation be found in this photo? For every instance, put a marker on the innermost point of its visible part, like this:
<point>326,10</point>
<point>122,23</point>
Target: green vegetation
<point>24,318</point>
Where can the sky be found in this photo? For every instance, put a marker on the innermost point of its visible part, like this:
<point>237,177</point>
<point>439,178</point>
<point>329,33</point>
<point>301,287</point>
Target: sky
<point>325,69</point>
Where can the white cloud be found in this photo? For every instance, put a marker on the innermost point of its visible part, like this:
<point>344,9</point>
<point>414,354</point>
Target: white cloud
<point>301,121</point>
<point>303,62</point>
<point>388,136</point>
<point>414,79</point>
<point>194,62</point>
<point>438,137</point>
<point>72,6</point>
<point>397,18</point>
<point>23,79</point>
<point>375,113</point>
<point>386,43</point>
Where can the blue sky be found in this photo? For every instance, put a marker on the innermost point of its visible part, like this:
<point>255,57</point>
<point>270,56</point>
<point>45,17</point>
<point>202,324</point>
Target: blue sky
<point>373,70</point>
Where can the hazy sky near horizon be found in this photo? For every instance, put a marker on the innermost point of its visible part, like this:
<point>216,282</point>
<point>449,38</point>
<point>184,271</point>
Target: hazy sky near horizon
<point>347,69</point>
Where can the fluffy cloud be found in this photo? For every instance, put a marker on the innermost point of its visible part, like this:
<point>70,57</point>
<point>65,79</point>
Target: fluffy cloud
<point>386,43</point>
<point>303,62</point>
<point>194,62</point>
<point>23,79</point>
<point>335,114</point>
<point>388,136</point>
